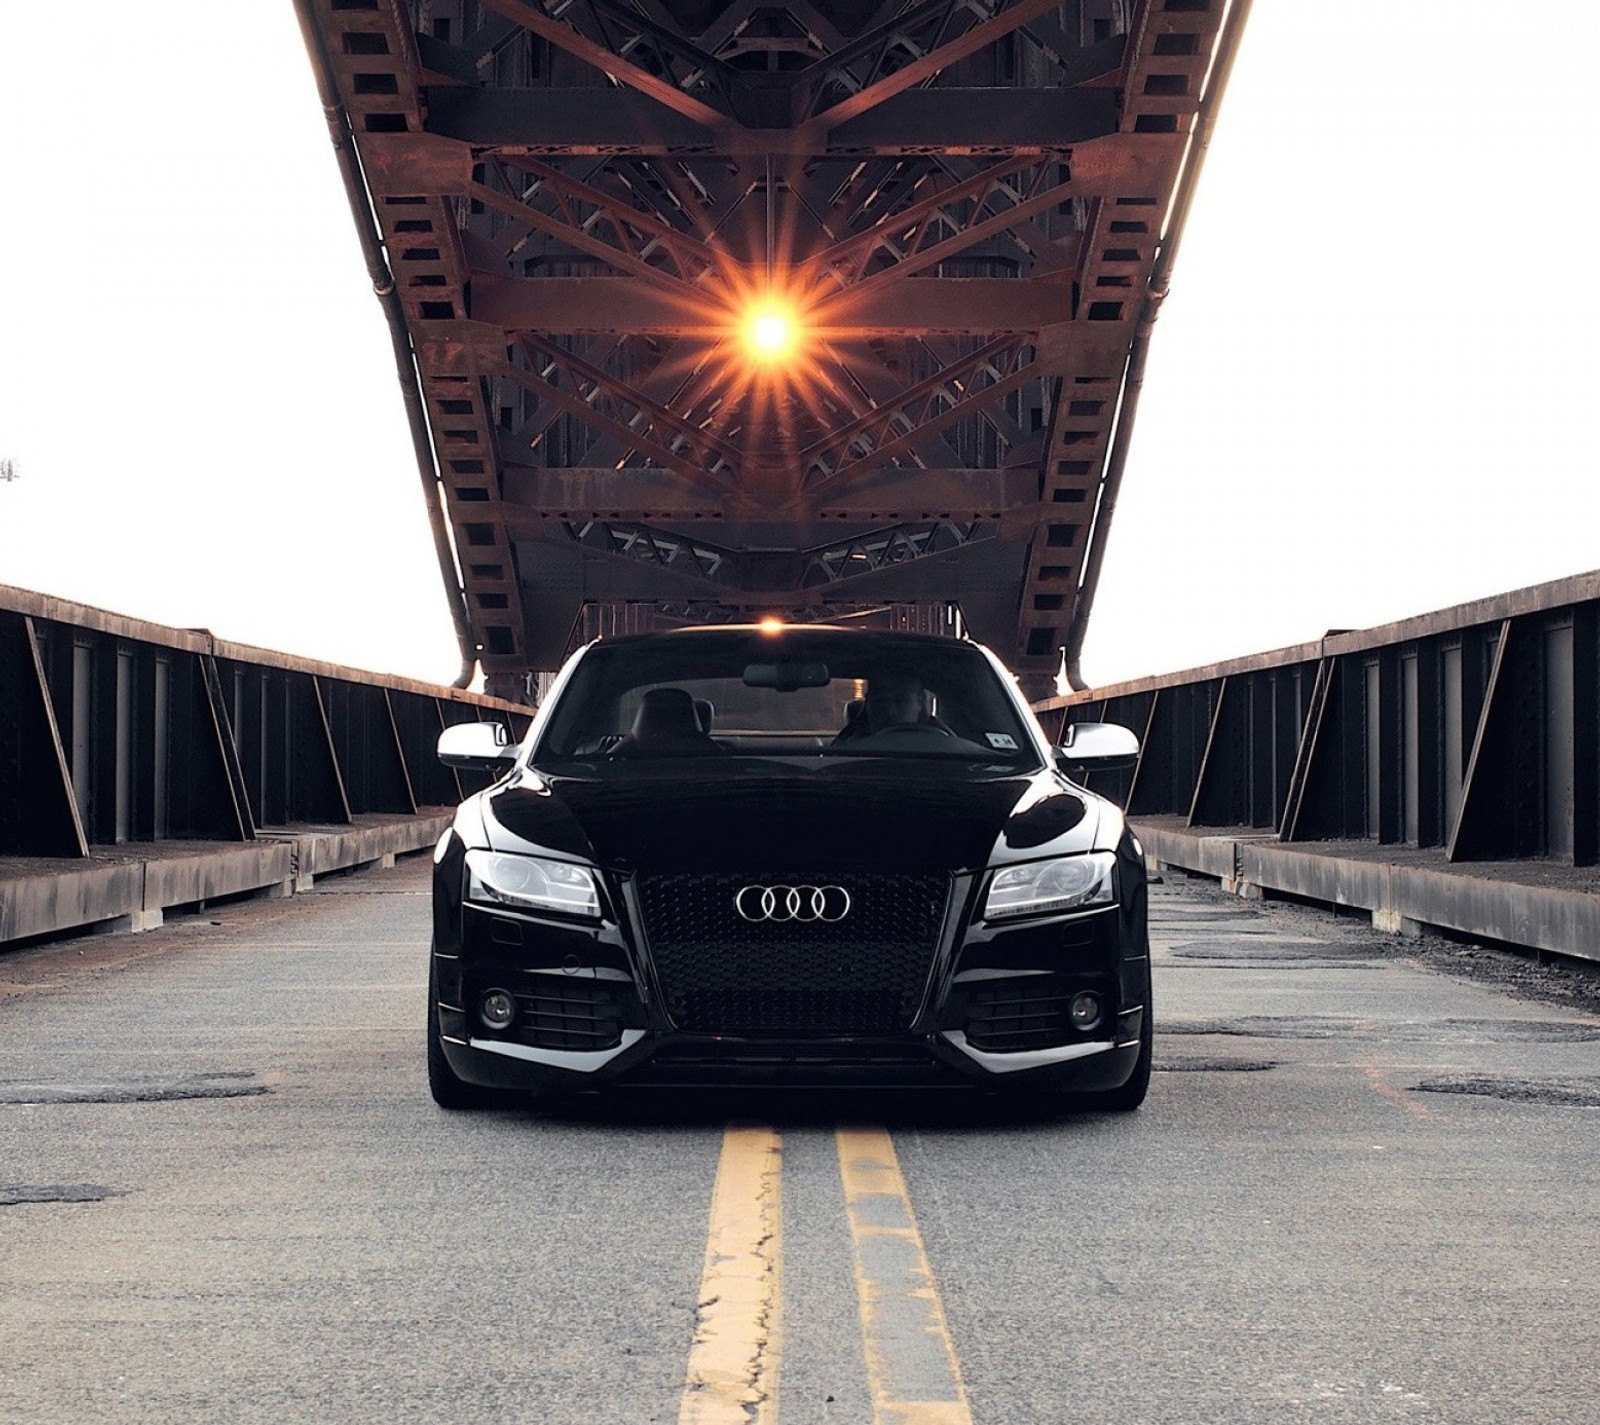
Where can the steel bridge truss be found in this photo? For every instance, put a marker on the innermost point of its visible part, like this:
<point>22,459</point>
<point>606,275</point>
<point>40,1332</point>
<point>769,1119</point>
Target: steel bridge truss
<point>577,201</point>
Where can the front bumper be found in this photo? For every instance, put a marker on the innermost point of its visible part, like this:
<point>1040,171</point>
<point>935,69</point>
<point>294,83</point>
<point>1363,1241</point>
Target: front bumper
<point>668,1059</point>
<point>992,1011</point>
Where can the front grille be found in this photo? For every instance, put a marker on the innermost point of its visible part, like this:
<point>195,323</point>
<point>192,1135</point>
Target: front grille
<point>863,975</point>
<point>1021,1012</point>
<point>569,1014</point>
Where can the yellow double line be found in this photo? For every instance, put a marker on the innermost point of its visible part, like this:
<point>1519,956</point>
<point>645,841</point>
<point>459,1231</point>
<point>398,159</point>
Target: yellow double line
<point>733,1364</point>
<point>912,1369</point>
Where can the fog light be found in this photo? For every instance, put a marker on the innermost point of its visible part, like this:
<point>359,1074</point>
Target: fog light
<point>1085,1011</point>
<point>498,1009</point>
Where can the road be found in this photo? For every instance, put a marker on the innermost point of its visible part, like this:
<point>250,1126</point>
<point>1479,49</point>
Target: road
<point>1362,1190</point>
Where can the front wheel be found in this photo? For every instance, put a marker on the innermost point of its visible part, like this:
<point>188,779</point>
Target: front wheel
<point>1127,1097</point>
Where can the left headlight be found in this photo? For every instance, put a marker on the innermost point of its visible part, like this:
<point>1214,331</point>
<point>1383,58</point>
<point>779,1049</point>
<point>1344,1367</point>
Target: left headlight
<point>531,883</point>
<point>1039,887</point>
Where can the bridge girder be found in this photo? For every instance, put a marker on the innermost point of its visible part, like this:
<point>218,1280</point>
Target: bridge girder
<point>966,199</point>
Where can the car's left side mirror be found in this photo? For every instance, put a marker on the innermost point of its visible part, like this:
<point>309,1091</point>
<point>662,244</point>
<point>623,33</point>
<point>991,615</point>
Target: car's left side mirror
<point>1096,747</point>
<point>477,746</point>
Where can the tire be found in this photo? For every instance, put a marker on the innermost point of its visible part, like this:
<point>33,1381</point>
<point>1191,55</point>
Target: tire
<point>448,1091</point>
<point>1131,1094</point>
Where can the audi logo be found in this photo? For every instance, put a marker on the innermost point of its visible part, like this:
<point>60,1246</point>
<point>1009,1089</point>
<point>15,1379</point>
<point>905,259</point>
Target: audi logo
<point>805,904</point>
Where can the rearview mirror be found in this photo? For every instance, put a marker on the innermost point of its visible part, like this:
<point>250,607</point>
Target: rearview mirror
<point>1097,747</point>
<point>786,677</point>
<point>478,746</point>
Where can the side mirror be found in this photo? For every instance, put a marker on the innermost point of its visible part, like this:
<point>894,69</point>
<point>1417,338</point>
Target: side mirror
<point>477,746</point>
<point>1097,747</point>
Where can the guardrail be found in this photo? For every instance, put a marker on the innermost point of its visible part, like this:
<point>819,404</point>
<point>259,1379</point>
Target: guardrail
<point>114,730</point>
<point>125,746</point>
<point>1472,733</point>
<point>1464,737</point>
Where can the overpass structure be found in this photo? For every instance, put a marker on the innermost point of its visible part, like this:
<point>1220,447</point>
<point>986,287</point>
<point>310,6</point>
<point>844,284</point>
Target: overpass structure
<point>810,309</point>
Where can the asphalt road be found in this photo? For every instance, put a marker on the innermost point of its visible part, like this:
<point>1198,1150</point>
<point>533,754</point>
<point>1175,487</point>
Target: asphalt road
<point>1362,1190</point>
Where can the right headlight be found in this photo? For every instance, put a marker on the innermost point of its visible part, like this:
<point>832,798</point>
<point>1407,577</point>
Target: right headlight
<point>1041,887</point>
<point>531,883</point>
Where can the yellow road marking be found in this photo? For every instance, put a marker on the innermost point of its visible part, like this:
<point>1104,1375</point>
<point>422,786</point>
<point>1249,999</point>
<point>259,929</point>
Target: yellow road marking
<point>911,1361</point>
<point>733,1364</point>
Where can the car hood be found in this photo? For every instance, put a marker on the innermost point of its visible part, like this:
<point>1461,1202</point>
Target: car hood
<point>749,815</point>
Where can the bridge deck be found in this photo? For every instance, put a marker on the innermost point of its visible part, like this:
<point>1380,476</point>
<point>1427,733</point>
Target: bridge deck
<point>1543,906</point>
<point>132,887</point>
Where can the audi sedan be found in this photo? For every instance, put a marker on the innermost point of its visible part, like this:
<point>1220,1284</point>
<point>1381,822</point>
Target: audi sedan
<point>790,854</point>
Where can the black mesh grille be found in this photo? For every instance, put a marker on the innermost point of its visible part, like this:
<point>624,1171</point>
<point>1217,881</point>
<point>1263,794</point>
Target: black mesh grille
<point>721,974</point>
<point>1026,1012</point>
<point>569,1014</point>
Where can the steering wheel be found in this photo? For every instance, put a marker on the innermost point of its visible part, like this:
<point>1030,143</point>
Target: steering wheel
<point>921,728</point>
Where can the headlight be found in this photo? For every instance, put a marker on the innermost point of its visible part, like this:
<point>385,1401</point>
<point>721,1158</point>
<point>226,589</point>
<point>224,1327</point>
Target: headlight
<point>531,883</point>
<point>1038,887</point>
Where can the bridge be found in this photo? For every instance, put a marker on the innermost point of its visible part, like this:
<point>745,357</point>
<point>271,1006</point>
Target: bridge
<point>702,312</point>
<point>826,311</point>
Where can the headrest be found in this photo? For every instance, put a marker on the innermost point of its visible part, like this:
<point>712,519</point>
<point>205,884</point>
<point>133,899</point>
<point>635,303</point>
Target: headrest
<point>665,712</point>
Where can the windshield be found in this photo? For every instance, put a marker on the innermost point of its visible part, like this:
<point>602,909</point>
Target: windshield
<point>800,692</point>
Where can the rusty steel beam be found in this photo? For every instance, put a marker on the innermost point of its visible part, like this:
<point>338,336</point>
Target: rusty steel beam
<point>712,461</point>
<point>1001,380</point>
<point>611,226</point>
<point>886,78</point>
<point>965,200</point>
<point>608,61</point>
<point>1158,283</point>
<point>696,566</point>
<point>914,236</point>
<point>580,207</point>
<point>593,414</point>
<point>923,307</point>
<point>654,494</point>
<point>555,123</point>
<point>947,388</point>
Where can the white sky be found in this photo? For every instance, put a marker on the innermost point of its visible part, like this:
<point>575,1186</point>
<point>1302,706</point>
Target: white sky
<point>1371,393</point>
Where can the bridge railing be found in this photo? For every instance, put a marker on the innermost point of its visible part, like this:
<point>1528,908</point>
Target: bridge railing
<point>1475,730</point>
<point>117,731</point>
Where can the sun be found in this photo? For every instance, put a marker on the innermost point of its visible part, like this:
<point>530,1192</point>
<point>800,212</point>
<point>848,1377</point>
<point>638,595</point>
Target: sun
<point>772,331</point>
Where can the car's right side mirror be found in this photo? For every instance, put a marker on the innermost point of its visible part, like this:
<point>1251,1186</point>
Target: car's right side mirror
<point>1096,747</point>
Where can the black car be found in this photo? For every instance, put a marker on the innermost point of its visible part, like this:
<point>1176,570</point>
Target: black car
<point>788,853</point>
